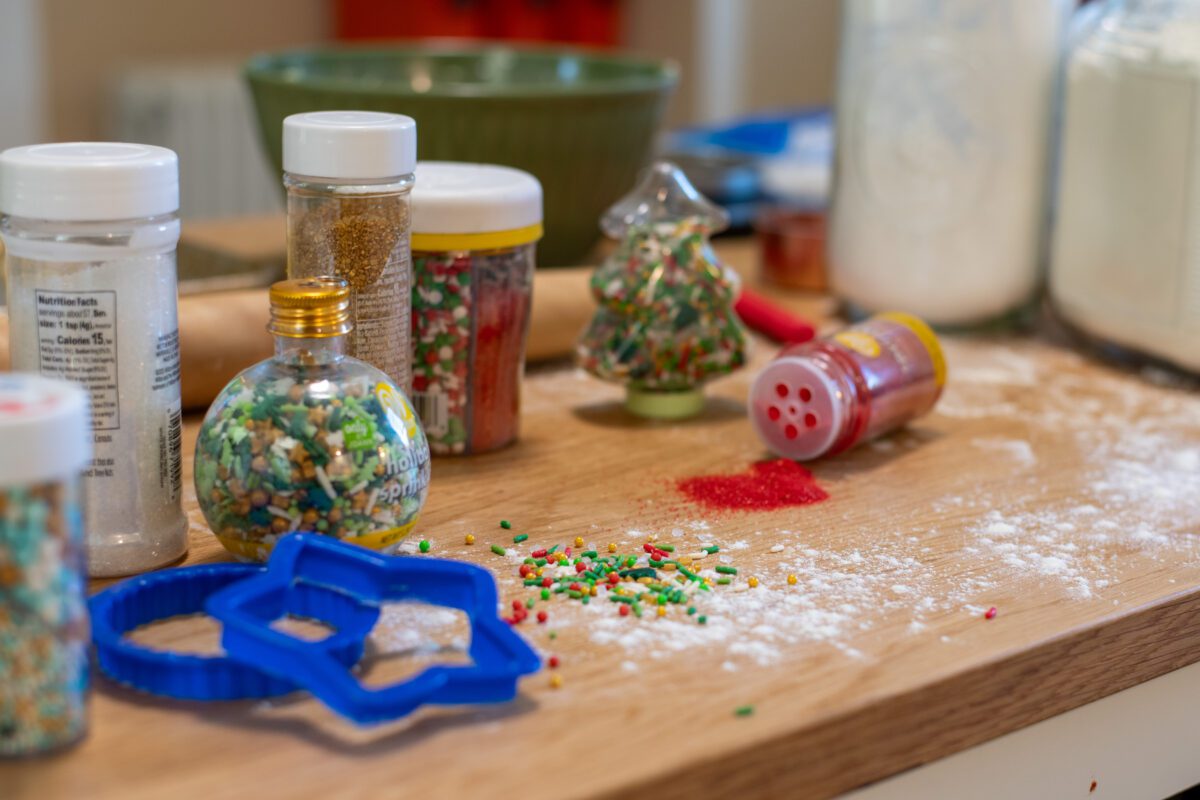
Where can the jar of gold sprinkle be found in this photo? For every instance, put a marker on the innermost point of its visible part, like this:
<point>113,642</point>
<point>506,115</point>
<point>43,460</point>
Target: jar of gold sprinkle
<point>348,176</point>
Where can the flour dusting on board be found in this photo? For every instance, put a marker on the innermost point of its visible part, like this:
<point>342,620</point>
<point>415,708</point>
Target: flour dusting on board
<point>1132,444</point>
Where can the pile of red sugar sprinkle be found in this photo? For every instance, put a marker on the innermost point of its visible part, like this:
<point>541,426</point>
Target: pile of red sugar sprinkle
<point>766,485</point>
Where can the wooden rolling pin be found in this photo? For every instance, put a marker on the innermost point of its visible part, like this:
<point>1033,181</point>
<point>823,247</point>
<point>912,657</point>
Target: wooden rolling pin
<point>222,333</point>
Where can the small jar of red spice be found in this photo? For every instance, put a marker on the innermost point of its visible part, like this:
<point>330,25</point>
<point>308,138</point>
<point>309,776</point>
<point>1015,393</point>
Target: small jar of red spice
<point>475,233</point>
<point>826,396</point>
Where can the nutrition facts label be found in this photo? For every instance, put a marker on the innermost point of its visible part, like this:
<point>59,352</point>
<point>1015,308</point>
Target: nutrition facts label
<point>77,340</point>
<point>382,326</point>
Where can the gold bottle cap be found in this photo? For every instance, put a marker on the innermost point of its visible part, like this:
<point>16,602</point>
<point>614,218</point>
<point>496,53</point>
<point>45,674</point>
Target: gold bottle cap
<point>310,308</point>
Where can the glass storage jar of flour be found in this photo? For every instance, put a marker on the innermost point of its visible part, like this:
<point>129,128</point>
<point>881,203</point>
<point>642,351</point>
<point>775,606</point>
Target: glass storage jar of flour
<point>943,123</point>
<point>1125,258</point>
<point>90,231</point>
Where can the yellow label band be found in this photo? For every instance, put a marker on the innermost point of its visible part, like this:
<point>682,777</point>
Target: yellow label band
<point>491,240</point>
<point>259,550</point>
<point>927,337</point>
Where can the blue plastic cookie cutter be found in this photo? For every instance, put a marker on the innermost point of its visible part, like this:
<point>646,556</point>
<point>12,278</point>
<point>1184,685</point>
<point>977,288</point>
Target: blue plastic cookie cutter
<point>156,596</point>
<point>247,607</point>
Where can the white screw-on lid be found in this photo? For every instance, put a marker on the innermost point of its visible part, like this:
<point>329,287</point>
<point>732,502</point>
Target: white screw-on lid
<point>88,181</point>
<point>45,433</point>
<point>449,197</point>
<point>349,144</point>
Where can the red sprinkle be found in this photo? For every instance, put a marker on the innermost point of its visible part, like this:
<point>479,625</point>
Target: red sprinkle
<point>991,612</point>
<point>614,578</point>
<point>518,605</point>
<point>541,553</point>
<point>575,587</point>
<point>553,662</point>
<point>649,548</point>
<point>623,609</point>
<point>525,570</point>
<point>766,485</point>
<point>547,583</point>
<point>1093,787</point>
<point>542,616</point>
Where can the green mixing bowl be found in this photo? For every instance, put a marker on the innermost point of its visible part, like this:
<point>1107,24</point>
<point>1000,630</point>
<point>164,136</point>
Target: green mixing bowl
<point>584,123</point>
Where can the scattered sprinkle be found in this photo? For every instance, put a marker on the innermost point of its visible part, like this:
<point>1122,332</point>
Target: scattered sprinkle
<point>498,550</point>
<point>556,681</point>
<point>791,580</point>
<point>579,541</point>
<point>520,537</point>
<point>753,582</point>
<point>542,616</point>
<point>990,613</point>
<point>612,547</point>
<point>423,546</point>
<point>552,662</point>
<point>743,711</point>
<point>727,570</point>
<point>469,538</point>
<point>662,611</point>
<point>505,524</point>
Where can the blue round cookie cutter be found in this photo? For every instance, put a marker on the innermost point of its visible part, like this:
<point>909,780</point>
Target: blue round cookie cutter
<point>156,596</point>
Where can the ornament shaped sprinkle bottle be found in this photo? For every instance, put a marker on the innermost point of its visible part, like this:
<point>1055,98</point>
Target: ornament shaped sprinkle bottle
<point>666,323</point>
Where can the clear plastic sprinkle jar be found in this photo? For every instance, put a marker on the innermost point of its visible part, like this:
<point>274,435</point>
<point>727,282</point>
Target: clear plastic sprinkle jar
<point>311,439</point>
<point>475,233</point>
<point>348,176</point>
<point>90,230</point>
<point>45,442</point>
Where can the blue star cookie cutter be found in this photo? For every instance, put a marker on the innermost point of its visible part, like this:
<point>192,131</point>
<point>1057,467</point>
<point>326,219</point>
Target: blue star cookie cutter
<point>500,656</point>
<point>157,596</point>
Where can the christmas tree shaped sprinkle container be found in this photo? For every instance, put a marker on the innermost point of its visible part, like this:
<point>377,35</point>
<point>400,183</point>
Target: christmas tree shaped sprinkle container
<point>666,324</point>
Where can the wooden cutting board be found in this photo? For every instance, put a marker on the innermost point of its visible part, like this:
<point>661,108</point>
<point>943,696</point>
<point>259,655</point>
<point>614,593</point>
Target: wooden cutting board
<point>1062,493</point>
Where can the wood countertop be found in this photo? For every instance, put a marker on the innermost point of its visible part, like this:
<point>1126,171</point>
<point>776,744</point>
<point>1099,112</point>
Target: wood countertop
<point>1062,492</point>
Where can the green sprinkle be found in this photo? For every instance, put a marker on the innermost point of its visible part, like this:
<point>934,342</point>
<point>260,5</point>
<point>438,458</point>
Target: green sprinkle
<point>574,594</point>
<point>520,537</point>
<point>703,620</point>
<point>498,550</point>
<point>620,598</point>
<point>533,581</point>
<point>643,572</point>
<point>530,561</point>
<point>629,562</point>
<point>541,562</point>
<point>712,548</point>
<point>724,581</point>
<point>667,548</point>
<point>545,594</point>
<point>691,576</point>
<point>743,711</point>
<point>637,609</point>
<point>505,524</point>
<point>562,587</point>
<point>424,546</point>
<point>691,611</point>
<point>662,599</point>
<point>586,599</point>
<point>553,634</point>
<point>656,563</point>
<point>551,550</point>
<point>589,554</point>
<point>529,603</point>
<point>724,570</point>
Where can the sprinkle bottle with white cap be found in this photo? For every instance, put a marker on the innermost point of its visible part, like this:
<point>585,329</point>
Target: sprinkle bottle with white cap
<point>348,176</point>
<point>45,444</point>
<point>475,233</point>
<point>826,396</point>
<point>90,231</point>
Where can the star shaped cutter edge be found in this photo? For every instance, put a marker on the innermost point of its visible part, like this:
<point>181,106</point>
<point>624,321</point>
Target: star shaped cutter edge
<point>247,608</point>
